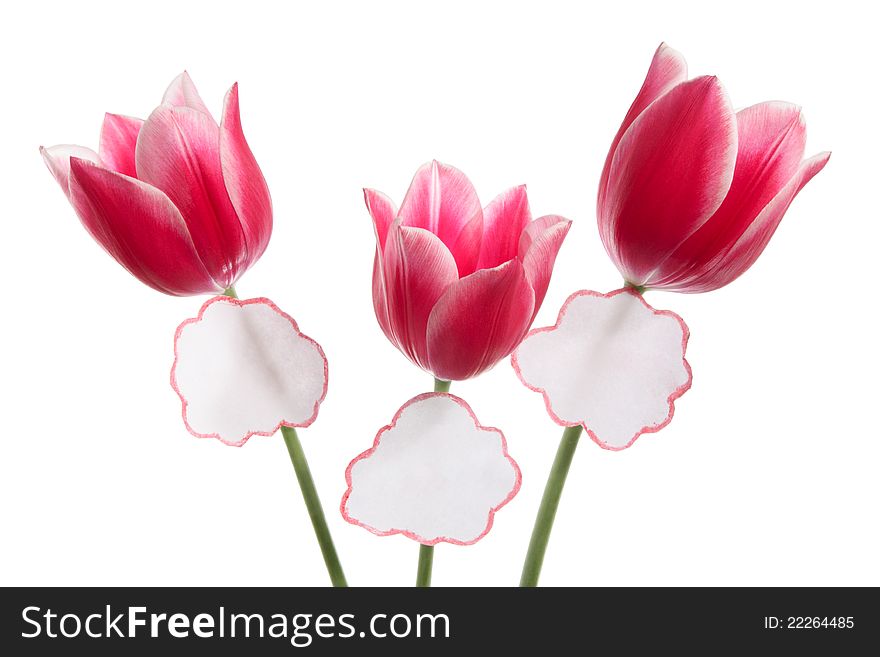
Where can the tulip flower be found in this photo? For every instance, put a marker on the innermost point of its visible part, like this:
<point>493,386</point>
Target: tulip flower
<point>177,200</point>
<point>455,285</point>
<point>692,191</point>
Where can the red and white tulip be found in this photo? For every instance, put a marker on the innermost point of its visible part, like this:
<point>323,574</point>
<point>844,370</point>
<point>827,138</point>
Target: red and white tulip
<point>177,200</point>
<point>456,285</point>
<point>691,191</point>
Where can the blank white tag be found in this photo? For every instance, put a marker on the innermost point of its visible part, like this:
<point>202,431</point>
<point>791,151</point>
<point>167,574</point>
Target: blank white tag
<point>434,474</point>
<point>242,368</point>
<point>612,363</point>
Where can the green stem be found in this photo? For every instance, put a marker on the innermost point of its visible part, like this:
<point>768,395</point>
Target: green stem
<point>549,504</point>
<point>309,493</point>
<point>426,552</point>
<point>313,504</point>
<point>426,563</point>
<point>640,289</point>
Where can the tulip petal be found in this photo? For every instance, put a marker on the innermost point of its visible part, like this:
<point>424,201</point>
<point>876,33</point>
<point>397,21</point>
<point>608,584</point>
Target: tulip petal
<point>466,249</point>
<point>418,270</point>
<point>539,244</point>
<point>479,320</point>
<point>383,211</point>
<point>140,227</point>
<point>57,158</point>
<point>443,201</point>
<point>380,302</point>
<point>771,144</point>
<point>118,140</point>
<point>669,174</point>
<point>178,151</point>
<point>668,68</point>
<point>247,188</point>
<point>754,240</point>
<point>504,220</point>
<point>183,93</point>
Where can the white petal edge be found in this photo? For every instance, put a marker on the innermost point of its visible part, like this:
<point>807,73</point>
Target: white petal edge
<point>57,159</point>
<point>243,368</point>
<point>631,366</point>
<point>434,475</point>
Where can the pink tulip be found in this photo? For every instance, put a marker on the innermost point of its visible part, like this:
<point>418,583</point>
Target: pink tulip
<point>692,191</point>
<point>455,285</point>
<point>177,200</point>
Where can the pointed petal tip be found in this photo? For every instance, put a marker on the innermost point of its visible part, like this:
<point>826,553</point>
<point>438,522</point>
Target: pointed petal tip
<point>665,49</point>
<point>47,159</point>
<point>182,92</point>
<point>552,221</point>
<point>78,164</point>
<point>668,58</point>
<point>812,166</point>
<point>794,109</point>
<point>382,211</point>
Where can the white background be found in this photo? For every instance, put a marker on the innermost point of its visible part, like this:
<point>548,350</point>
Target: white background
<point>767,475</point>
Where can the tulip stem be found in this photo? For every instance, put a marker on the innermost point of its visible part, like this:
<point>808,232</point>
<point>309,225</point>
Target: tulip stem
<point>638,289</point>
<point>426,552</point>
<point>313,505</point>
<point>309,493</point>
<point>426,563</point>
<point>549,503</point>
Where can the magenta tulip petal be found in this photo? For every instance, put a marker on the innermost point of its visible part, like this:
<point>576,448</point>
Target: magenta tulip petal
<point>533,231</point>
<point>668,68</point>
<point>443,201</point>
<point>669,174</point>
<point>247,188</point>
<point>466,249</point>
<point>418,270</point>
<point>479,320</point>
<point>182,93</point>
<point>380,303</point>
<point>771,144</point>
<point>539,248</point>
<point>504,220</point>
<point>754,240</point>
<point>118,140</point>
<point>178,151</point>
<point>383,212</point>
<point>57,158</point>
<point>140,227</point>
